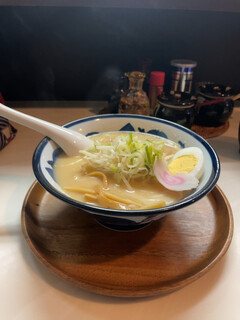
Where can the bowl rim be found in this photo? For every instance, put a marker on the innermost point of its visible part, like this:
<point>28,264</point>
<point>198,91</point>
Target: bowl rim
<point>115,212</point>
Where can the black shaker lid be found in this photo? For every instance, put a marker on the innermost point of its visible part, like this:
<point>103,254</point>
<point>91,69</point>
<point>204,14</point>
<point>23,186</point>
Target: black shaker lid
<point>215,90</point>
<point>177,99</point>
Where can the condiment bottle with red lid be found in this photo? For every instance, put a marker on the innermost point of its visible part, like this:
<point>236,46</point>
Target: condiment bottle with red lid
<point>157,79</point>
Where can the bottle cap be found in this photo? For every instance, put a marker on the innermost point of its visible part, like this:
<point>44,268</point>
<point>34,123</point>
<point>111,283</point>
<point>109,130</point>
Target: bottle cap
<point>183,63</point>
<point>157,78</point>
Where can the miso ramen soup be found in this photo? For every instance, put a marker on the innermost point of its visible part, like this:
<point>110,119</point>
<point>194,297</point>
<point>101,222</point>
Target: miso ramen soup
<point>117,173</point>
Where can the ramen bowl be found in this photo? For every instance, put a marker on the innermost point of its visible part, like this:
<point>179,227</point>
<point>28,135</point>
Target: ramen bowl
<point>47,152</point>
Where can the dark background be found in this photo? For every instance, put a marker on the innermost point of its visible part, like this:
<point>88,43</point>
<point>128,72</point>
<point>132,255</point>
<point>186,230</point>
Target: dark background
<point>76,53</point>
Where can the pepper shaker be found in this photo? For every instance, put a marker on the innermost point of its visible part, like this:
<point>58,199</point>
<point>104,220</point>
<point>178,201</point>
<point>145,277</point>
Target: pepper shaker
<point>182,75</point>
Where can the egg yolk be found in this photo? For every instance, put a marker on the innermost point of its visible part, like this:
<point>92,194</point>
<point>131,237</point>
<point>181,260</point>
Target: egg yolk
<point>185,163</point>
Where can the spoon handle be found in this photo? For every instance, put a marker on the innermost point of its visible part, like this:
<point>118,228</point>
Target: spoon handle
<point>70,141</point>
<point>43,127</point>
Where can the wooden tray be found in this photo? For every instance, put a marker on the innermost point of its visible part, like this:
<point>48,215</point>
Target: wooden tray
<point>163,257</point>
<point>210,132</point>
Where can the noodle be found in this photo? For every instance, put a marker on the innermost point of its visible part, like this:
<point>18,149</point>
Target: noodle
<point>79,190</point>
<point>119,199</point>
<point>120,176</point>
<point>102,175</point>
<point>90,197</point>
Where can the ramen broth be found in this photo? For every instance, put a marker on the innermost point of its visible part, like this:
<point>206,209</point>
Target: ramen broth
<point>99,188</point>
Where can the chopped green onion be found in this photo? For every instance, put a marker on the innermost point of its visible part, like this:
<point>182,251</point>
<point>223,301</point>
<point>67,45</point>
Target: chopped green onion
<point>128,156</point>
<point>130,138</point>
<point>148,155</point>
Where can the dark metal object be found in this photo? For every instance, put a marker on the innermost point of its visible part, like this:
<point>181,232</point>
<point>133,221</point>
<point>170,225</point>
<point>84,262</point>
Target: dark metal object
<point>182,75</point>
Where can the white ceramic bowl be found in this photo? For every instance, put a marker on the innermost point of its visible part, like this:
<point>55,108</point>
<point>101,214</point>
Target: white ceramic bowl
<point>47,152</point>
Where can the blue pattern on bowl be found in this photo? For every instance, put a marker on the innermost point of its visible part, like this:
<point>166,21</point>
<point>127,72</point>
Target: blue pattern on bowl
<point>55,154</point>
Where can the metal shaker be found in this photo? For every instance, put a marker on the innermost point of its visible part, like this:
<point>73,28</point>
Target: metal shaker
<point>182,75</point>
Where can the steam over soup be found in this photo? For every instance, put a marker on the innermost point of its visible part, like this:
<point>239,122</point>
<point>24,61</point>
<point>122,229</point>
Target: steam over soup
<point>118,173</point>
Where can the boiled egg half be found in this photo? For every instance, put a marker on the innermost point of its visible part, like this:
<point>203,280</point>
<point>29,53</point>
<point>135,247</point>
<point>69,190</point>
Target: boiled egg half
<point>184,170</point>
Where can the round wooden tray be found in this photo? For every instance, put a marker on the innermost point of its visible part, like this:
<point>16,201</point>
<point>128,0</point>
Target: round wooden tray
<point>165,256</point>
<point>210,132</point>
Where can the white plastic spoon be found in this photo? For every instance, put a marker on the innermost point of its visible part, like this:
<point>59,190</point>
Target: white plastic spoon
<point>69,140</point>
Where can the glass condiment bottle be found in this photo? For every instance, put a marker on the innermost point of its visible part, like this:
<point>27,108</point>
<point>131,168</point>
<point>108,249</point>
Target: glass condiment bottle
<point>134,100</point>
